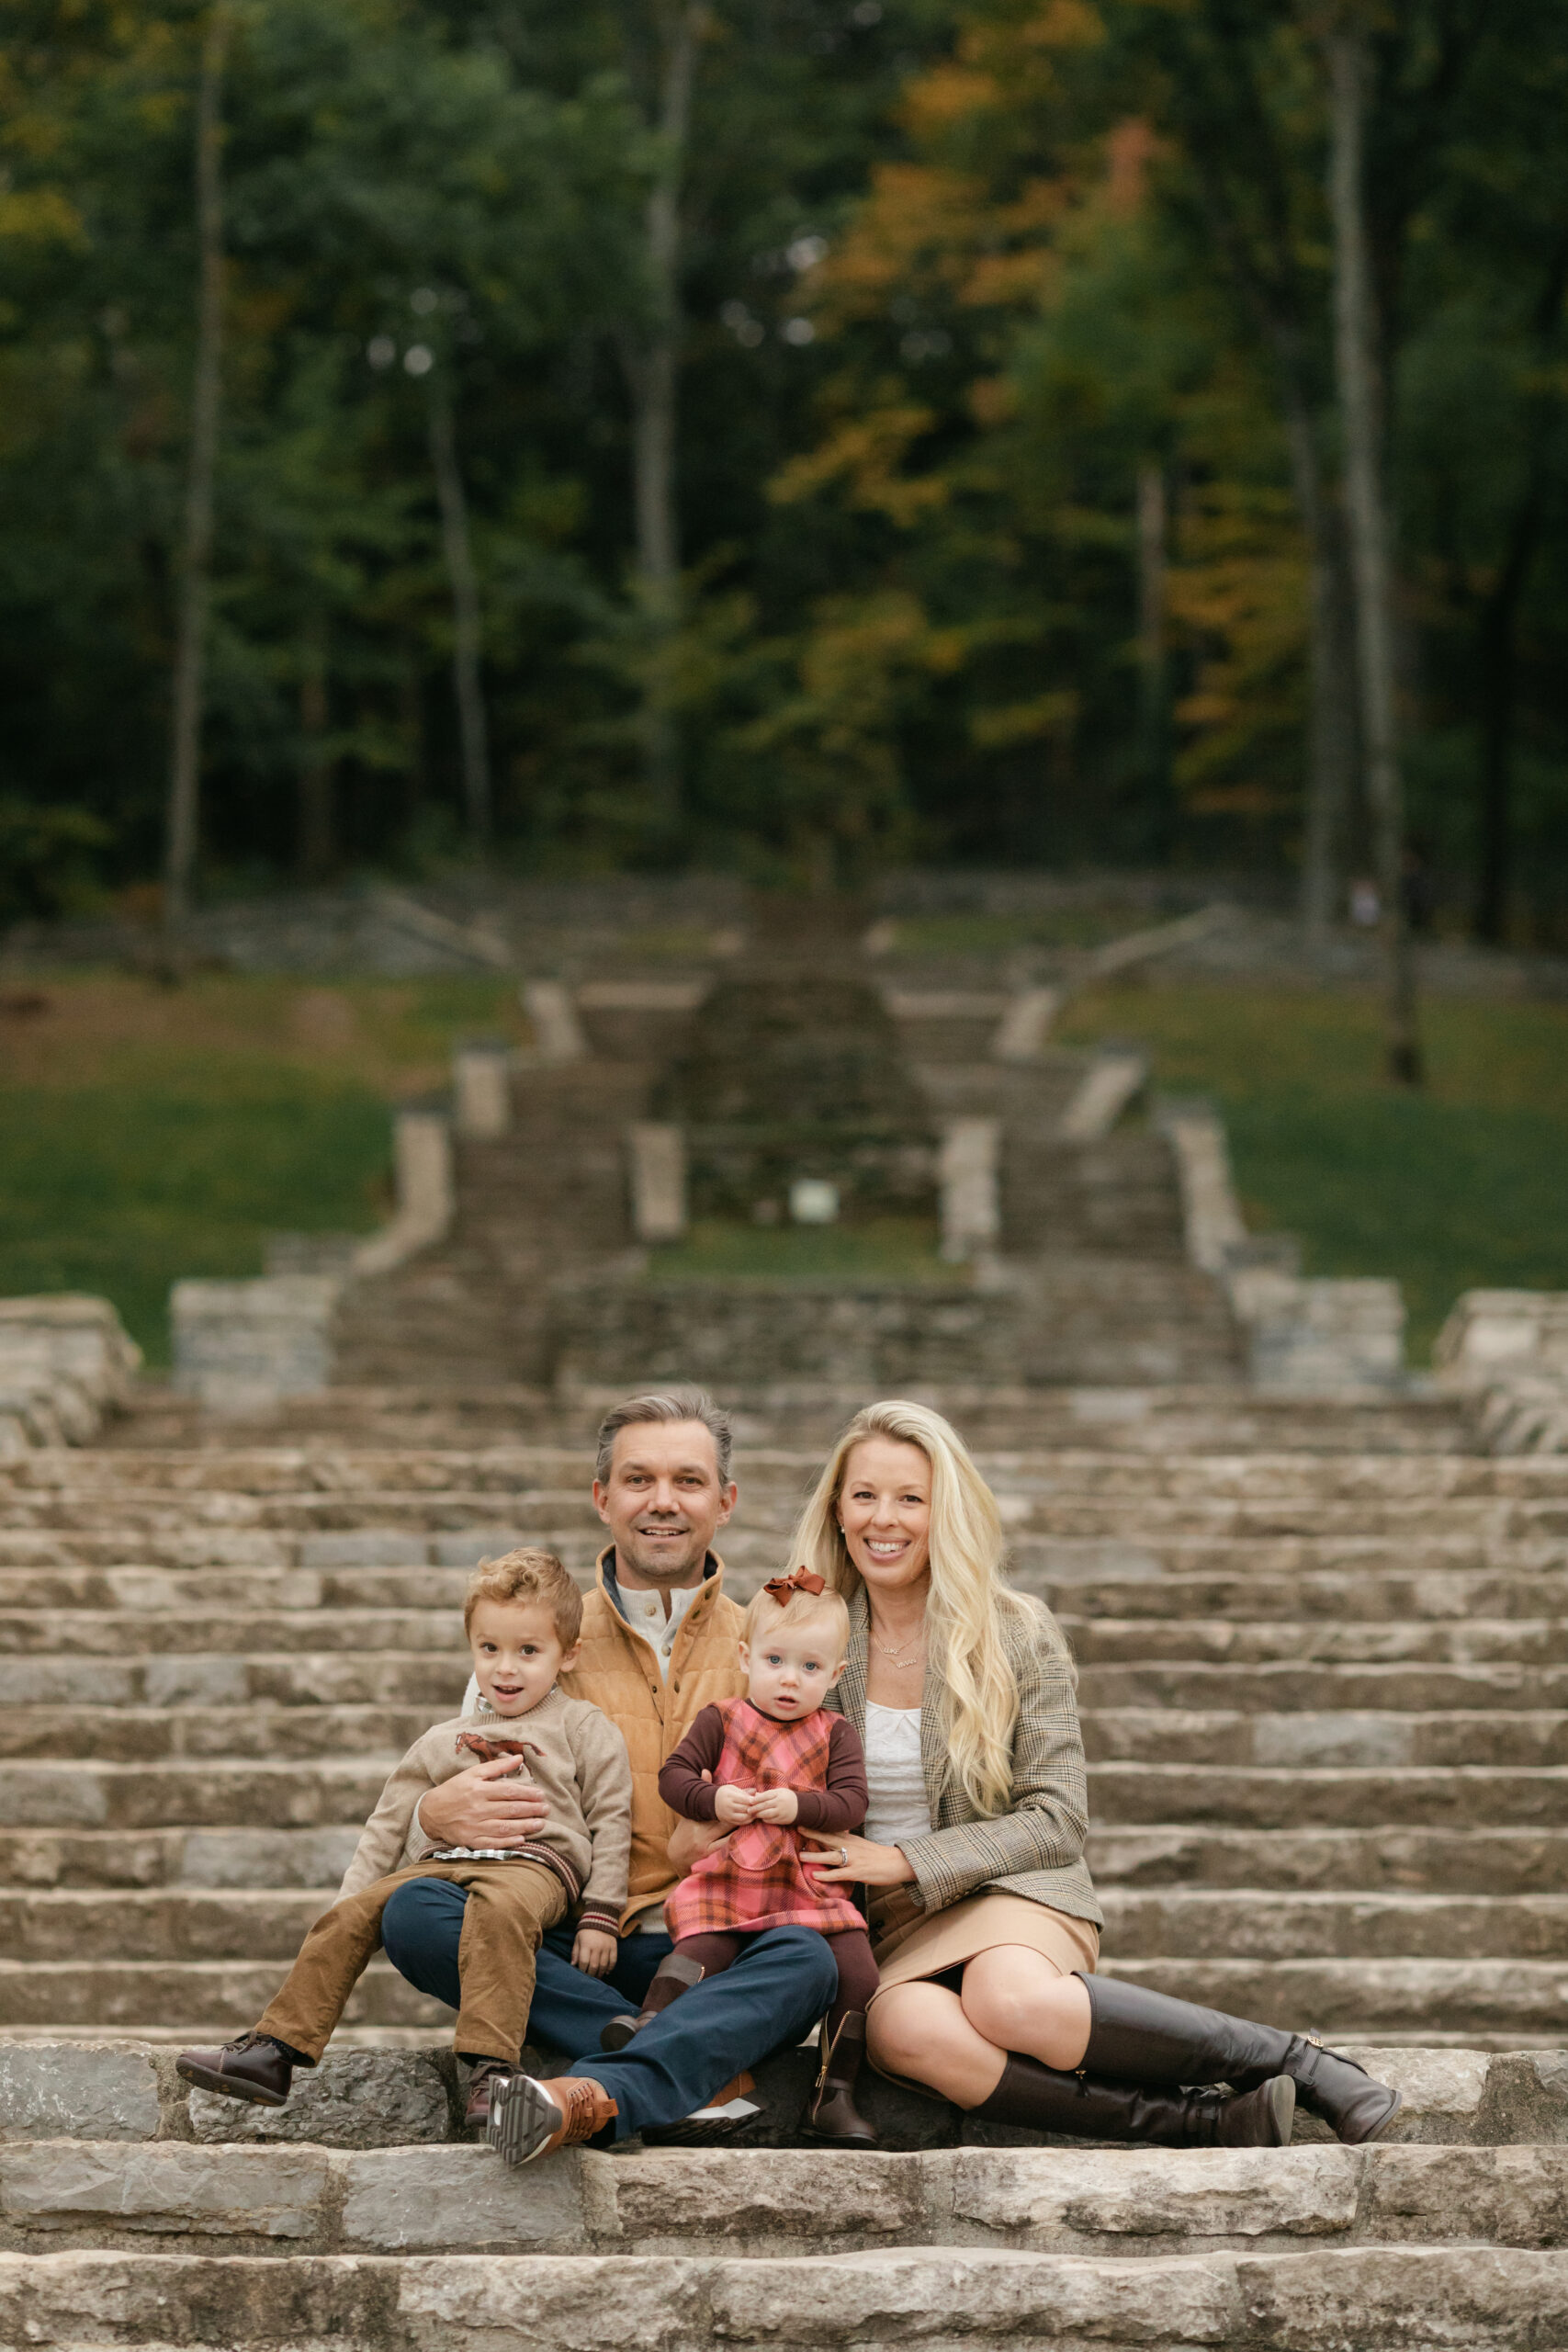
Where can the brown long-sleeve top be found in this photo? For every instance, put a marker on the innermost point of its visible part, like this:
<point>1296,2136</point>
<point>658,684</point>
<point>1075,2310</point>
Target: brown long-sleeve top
<point>840,1807</point>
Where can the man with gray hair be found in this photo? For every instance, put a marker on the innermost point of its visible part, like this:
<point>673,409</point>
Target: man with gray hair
<point>658,1644</point>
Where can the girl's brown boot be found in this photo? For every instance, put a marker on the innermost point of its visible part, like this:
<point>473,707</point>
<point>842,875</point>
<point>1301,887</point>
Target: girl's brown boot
<point>676,1975</point>
<point>833,2114</point>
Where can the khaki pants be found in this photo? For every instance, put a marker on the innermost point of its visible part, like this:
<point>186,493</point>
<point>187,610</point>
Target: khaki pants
<point>509,1905</point>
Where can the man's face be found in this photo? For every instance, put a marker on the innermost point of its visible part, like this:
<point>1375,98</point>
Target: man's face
<point>663,1503</point>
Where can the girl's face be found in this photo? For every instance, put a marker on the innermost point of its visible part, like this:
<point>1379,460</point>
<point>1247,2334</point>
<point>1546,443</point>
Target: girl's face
<point>792,1669</point>
<point>884,1509</point>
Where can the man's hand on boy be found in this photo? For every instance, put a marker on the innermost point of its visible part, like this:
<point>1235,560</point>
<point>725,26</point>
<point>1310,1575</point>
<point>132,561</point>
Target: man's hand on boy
<point>593,1950</point>
<point>777,1805</point>
<point>489,1804</point>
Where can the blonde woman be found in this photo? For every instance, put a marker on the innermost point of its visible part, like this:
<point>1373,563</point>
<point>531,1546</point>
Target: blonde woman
<point>983,1915</point>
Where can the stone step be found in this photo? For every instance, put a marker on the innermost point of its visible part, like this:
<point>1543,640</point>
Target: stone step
<point>1270,1797</point>
<point>1287,1650</point>
<point>433,1683</point>
<point>1316,1688</point>
<point>278,2202</point>
<point>1365,1740</point>
<point>1285,1679</point>
<point>187,1994</point>
<point>1330,1598</point>
<point>1490,1861</point>
<point>202,1924</point>
<point>228,1632</point>
<point>363,2096</point>
<point>224,1791</point>
<point>1365,1999</point>
<point>1419,1999</point>
<point>218,1484</point>
<point>275,1734</point>
<point>214,1793</point>
<point>1506,2297</point>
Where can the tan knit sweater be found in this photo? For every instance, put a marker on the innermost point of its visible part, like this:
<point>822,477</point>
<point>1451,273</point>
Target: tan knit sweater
<point>582,1769</point>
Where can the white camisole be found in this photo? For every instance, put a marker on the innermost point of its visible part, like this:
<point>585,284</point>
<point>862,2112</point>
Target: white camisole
<point>894,1778</point>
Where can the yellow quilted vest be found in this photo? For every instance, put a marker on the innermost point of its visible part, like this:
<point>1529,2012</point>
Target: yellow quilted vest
<point>619,1672</point>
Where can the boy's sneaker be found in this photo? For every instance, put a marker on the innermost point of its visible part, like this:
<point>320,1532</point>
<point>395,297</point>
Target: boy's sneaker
<point>525,2122</point>
<point>481,2082</point>
<point>255,2068</point>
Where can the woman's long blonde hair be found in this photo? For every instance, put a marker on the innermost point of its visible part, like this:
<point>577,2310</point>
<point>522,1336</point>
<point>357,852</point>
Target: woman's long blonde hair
<point>969,1595</point>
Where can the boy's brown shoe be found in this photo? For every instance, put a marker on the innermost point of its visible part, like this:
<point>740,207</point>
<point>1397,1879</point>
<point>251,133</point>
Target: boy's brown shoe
<point>255,2068</point>
<point>526,2122</point>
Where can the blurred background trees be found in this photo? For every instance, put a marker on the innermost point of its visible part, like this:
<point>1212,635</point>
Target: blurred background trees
<point>794,435</point>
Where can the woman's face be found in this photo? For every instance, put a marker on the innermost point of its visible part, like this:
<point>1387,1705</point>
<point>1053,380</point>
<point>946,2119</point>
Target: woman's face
<point>884,1509</point>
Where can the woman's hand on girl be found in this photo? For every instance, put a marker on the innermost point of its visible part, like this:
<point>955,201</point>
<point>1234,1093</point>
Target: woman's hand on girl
<point>855,1861</point>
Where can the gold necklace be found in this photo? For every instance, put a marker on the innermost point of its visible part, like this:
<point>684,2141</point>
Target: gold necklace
<point>913,1645</point>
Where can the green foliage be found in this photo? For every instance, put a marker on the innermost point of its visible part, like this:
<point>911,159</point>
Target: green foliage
<point>884,1248</point>
<point>952,274</point>
<point>47,857</point>
<point>1458,1188</point>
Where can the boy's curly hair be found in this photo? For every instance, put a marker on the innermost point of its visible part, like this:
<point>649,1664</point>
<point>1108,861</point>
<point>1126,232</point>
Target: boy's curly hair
<point>527,1574</point>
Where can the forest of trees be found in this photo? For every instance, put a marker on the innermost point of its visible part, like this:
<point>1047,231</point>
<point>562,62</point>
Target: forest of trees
<point>790,435</point>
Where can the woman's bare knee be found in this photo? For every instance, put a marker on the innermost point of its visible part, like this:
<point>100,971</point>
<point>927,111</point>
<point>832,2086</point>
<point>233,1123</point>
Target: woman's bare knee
<point>900,2026</point>
<point>1016,1999</point>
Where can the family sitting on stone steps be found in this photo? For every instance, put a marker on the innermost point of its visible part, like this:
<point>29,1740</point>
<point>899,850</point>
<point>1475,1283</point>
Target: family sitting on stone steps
<point>888,1726</point>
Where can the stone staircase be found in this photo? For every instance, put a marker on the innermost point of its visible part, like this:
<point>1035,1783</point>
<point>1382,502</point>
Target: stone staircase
<point>1322,1652</point>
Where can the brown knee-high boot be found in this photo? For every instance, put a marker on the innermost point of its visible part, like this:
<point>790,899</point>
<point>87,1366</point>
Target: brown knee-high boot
<point>676,1975</point>
<point>1087,2106</point>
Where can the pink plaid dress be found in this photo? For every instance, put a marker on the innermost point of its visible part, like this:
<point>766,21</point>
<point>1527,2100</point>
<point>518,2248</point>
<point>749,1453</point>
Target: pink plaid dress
<point>755,1879</point>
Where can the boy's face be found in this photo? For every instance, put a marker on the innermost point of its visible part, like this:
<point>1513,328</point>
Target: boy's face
<point>517,1654</point>
<point>791,1670</point>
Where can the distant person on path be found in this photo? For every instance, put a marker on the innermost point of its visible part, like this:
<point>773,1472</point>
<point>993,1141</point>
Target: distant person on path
<point>522,1615</point>
<point>982,1917</point>
<point>658,1644</point>
<point>766,1768</point>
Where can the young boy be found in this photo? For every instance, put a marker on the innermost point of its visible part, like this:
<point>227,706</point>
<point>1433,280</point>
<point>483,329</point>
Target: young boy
<point>523,1616</point>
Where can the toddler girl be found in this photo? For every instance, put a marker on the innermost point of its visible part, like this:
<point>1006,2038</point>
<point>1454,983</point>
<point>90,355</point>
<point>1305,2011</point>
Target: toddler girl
<point>768,1766</point>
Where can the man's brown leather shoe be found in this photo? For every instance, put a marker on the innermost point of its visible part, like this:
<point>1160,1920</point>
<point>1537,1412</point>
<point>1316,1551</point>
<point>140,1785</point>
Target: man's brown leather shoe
<point>475,2115</point>
<point>527,2120</point>
<point>255,2068</point>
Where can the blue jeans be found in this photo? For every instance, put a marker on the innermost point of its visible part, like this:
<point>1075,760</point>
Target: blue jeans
<point>772,1995</point>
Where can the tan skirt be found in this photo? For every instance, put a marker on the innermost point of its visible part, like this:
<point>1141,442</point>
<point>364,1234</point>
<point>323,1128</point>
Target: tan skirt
<point>909,1946</point>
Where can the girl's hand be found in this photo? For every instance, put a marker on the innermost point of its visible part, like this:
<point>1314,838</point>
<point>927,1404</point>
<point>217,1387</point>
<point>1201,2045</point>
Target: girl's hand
<point>733,1805</point>
<point>855,1861</point>
<point>594,1949</point>
<point>778,1805</point>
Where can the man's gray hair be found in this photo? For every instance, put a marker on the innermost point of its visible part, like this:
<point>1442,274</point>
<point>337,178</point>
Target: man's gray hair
<point>667,1405</point>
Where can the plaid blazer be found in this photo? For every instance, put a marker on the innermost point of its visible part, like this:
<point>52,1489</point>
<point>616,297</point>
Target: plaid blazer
<point>1036,1848</point>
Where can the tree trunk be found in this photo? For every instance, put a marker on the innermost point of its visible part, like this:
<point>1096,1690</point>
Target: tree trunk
<point>1362,423</point>
<point>1331,682</point>
<point>316,832</point>
<point>1152,525</point>
<point>652,366</point>
<point>184,760</point>
<point>473,732</point>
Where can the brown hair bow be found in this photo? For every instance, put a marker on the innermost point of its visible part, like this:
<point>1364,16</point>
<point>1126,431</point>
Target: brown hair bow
<point>780,1589</point>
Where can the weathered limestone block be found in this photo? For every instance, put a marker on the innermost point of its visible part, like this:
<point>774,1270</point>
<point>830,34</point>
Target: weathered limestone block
<point>65,1361</point>
<point>913,2293</point>
<point>594,2304</point>
<point>1107,1087</point>
<point>558,1033</point>
<point>403,2198</point>
<point>241,1346</point>
<point>1465,2296</point>
<point>1494,1333</point>
<point>967,1170</point>
<point>1155,2192</point>
<point>658,1152</point>
<point>54,2090</point>
<point>481,1090</point>
<point>354,2098</point>
<point>167,2186</point>
<point>421,1160</point>
<point>706,2193</point>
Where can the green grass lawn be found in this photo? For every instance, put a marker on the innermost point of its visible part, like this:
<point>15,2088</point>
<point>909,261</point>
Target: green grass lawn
<point>1463,1185</point>
<point>151,1133</point>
